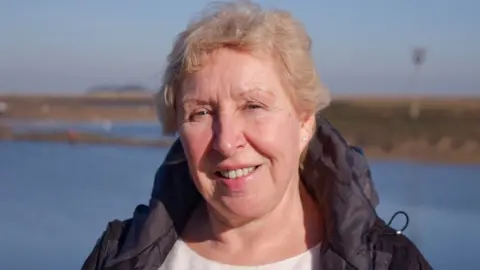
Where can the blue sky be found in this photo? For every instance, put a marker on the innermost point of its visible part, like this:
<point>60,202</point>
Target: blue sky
<point>360,47</point>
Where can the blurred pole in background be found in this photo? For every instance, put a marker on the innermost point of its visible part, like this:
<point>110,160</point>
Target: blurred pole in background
<point>418,58</point>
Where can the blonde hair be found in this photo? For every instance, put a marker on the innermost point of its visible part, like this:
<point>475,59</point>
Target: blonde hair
<point>244,26</point>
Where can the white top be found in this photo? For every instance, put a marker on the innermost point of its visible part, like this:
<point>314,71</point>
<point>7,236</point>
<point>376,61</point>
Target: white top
<point>182,257</point>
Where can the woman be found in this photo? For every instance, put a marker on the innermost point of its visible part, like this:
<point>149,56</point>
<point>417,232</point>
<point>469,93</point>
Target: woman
<point>256,180</point>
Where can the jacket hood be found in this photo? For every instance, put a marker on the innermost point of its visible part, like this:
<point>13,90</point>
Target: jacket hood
<point>334,173</point>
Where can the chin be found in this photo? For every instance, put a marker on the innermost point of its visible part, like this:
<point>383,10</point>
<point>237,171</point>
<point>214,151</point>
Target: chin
<point>245,208</point>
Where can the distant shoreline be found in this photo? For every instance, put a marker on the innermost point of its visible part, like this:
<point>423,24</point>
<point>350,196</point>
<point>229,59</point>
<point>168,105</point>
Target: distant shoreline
<point>442,129</point>
<point>413,151</point>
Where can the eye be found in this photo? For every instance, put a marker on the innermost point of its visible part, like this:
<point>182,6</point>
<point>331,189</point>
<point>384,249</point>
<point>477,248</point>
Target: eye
<point>253,106</point>
<point>194,116</point>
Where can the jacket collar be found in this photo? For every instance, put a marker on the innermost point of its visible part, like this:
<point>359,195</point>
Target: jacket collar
<point>337,176</point>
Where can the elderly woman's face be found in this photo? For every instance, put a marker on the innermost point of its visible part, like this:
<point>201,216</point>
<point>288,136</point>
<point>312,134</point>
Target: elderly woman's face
<point>241,134</point>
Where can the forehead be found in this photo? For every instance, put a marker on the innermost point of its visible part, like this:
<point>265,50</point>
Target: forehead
<point>229,73</point>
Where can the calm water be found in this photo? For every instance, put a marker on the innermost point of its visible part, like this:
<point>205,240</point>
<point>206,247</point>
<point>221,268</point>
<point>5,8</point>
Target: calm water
<point>55,200</point>
<point>119,129</point>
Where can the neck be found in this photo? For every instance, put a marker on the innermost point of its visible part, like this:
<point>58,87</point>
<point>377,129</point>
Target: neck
<point>294,221</point>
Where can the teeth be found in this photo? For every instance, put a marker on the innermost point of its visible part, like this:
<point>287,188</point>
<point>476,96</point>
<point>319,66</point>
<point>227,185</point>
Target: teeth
<point>232,174</point>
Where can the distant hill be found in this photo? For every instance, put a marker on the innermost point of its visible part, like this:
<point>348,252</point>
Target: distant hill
<point>118,89</point>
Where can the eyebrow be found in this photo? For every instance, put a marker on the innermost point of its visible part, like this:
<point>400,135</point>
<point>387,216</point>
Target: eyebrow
<point>255,91</point>
<point>197,101</point>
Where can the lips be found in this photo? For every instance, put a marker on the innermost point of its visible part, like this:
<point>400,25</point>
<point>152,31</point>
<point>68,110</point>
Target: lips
<point>235,180</point>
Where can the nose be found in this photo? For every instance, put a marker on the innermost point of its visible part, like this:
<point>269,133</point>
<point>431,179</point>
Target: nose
<point>227,135</point>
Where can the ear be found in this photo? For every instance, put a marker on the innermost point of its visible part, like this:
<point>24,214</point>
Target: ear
<point>307,127</point>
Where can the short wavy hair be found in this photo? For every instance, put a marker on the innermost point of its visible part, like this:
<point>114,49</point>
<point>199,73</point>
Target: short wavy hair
<point>244,26</point>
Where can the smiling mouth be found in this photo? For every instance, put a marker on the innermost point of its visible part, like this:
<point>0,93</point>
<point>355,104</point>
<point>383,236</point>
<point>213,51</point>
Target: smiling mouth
<point>233,174</point>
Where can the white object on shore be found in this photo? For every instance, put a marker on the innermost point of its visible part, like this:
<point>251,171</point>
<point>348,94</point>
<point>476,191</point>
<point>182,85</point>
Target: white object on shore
<point>3,107</point>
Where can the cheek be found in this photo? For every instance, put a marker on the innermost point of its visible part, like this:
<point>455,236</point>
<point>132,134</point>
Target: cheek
<point>195,142</point>
<point>275,135</point>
